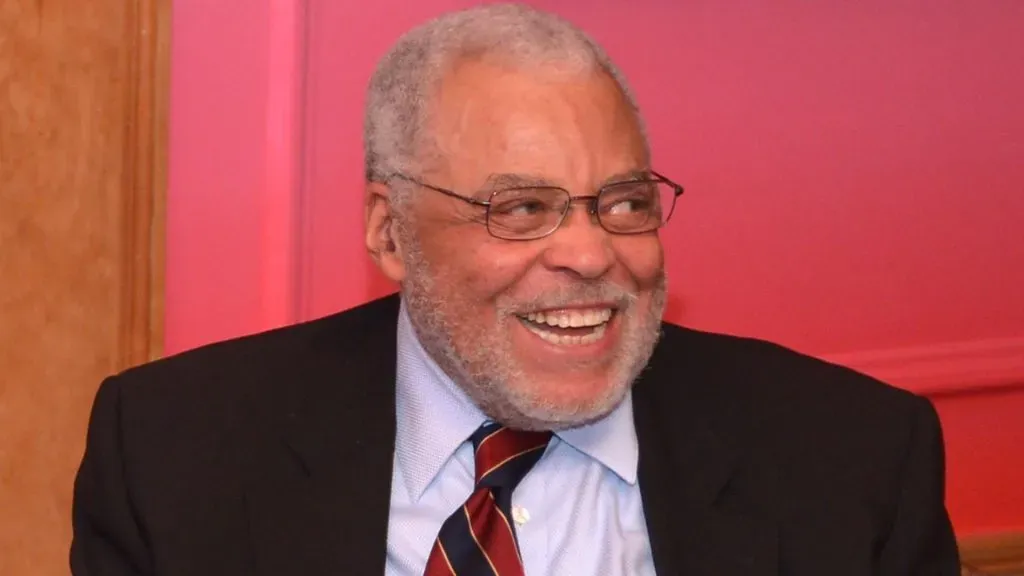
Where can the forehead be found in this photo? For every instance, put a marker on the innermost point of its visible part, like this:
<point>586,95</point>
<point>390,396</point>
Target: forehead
<point>563,125</point>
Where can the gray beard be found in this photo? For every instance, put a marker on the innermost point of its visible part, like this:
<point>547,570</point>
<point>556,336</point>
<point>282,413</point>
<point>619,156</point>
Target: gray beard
<point>480,361</point>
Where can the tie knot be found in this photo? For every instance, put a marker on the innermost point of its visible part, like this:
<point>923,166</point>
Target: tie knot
<point>503,456</point>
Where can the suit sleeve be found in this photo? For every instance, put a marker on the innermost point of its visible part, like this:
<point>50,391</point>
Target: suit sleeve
<point>921,541</point>
<point>106,539</point>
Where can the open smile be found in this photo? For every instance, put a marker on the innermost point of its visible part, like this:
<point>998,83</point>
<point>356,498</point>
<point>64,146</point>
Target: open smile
<point>569,327</point>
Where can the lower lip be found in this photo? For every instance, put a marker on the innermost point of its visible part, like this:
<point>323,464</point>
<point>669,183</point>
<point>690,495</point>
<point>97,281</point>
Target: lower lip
<point>598,347</point>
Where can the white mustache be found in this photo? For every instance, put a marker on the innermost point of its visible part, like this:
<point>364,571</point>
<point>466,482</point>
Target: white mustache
<point>567,296</point>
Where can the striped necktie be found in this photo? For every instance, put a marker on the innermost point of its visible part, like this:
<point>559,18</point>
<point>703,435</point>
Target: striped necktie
<point>478,539</point>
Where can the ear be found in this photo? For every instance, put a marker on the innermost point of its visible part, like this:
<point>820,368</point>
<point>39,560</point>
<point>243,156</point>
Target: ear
<point>381,241</point>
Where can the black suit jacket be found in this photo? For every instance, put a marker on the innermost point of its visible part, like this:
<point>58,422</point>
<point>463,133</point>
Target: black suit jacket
<point>272,455</point>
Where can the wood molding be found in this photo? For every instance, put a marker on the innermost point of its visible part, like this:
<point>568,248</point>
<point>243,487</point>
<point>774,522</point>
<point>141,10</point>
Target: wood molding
<point>145,182</point>
<point>995,554</point>
<point>945,369</point>
<point>83,121</point>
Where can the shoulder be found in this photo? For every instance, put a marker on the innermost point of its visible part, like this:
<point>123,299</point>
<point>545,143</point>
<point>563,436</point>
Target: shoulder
<point>239,362</point>
<point>779,377</point>
<point>787,400</point>
<point>840,460</point>
<point>246,380</point>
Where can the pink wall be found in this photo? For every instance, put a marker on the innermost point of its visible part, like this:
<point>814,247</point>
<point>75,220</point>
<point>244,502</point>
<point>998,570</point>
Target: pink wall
<point>854,179</point>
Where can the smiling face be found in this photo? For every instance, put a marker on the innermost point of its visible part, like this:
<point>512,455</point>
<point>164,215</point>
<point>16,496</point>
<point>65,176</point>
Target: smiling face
<point>546,333</point>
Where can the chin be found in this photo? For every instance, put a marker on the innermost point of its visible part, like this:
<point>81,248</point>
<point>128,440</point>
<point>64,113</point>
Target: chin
<point>572,390</point>
<point>567,403</point>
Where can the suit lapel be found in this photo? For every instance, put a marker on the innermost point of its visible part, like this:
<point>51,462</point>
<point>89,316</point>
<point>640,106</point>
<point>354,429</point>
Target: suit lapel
<point>691,443</point>
<point>319,499</point>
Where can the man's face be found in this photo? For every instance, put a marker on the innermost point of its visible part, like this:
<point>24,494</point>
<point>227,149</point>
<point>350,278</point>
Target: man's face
<point>546,333</point>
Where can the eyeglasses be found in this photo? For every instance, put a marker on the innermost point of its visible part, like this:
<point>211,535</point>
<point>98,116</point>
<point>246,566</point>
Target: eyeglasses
<point>533,212</point>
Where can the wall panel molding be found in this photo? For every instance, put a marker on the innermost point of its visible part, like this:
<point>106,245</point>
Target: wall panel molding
<point>945,369</point>
<point>284,164</point>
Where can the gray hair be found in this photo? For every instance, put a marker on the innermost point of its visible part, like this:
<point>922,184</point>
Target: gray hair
<point>405,80</point>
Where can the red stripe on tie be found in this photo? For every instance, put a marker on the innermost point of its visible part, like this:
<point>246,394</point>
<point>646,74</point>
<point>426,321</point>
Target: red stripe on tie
<point>438,563</point>
<point>492,533</point>
<point>503,444</point>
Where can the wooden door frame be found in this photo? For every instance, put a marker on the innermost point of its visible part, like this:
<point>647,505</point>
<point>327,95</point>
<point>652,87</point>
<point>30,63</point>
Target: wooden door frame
<point>145,182</point>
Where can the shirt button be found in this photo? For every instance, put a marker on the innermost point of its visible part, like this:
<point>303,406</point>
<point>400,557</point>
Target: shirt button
<point>520,515</point>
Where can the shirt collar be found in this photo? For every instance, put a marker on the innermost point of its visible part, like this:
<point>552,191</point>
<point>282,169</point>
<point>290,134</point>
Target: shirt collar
<point>610,440</point>
<point>434,417</point>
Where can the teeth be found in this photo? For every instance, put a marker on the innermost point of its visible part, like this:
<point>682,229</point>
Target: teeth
<point>566,340</point>
<point>571,318</point>
<point>596,319</point>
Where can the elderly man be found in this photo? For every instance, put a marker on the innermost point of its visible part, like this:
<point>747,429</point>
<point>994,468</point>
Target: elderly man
<point>520,408</point>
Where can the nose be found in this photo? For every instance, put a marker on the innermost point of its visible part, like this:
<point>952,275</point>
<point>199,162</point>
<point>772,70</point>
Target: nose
<point>580,245</point>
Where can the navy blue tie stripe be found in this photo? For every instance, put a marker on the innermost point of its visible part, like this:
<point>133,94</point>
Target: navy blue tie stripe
<point>466,553</point>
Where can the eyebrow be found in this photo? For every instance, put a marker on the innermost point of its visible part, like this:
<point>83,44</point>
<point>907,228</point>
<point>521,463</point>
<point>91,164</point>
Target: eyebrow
<point>512,180</point>
<point>501,181</point>
<point>628,176</point>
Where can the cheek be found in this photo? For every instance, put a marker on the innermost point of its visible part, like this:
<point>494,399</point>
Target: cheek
<point>642,256</point>
<point>497,267</point>
<point>477,267</point>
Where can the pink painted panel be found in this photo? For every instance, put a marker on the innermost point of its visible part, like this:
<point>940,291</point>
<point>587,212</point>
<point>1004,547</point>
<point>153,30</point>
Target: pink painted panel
<point>215,211</point>
<point>984,438</point>
<point>235,169</point>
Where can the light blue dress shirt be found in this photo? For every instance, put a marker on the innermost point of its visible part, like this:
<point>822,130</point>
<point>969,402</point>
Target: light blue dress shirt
<point>578,512</point>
